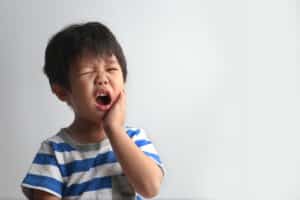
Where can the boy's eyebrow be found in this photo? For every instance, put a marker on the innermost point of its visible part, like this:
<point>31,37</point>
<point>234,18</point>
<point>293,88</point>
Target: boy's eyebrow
<point>111,60</point>
<point>84,66</point>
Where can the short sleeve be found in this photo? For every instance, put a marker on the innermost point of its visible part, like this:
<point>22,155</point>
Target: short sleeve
<point>141,139</point>
<point>44,173</point>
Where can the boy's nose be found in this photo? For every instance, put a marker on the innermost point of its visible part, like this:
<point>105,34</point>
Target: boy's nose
<point>101,80</point>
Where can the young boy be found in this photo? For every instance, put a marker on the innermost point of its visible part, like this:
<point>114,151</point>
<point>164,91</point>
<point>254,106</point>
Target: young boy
<point>96,156</point>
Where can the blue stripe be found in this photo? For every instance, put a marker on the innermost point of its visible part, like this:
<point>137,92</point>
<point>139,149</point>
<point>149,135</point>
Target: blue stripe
<point>153,156</point>
<point>44,159</point>
<point>61,147</point>
<point>138,197</point>
<point>44,182</point>
<point>141,143</point>
<point>92,185</point>
<point>86,164</point>
<point>132,133</point>
<point>77,165</point>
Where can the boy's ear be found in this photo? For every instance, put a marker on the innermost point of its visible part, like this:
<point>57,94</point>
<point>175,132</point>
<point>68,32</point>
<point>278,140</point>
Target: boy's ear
<point>60,92</point>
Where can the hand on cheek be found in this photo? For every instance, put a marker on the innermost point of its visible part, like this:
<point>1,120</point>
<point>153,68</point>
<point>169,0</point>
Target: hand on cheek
<point>115,117</point>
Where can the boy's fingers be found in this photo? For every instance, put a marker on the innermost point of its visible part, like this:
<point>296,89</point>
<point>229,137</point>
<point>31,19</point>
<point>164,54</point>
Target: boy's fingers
<point>119,99</point>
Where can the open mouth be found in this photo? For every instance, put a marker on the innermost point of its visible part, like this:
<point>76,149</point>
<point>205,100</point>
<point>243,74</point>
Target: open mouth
<point>103,99</point>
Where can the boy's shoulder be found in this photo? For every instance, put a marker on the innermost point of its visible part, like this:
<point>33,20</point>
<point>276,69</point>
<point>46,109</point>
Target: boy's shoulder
<point>55,143</point>
<point>59,136</point>
<point>56,137</point>
<point>134,132</point>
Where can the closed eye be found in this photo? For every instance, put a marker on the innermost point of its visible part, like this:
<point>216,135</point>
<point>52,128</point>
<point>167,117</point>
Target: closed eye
<point>86,73</point>
<point>112,69</point>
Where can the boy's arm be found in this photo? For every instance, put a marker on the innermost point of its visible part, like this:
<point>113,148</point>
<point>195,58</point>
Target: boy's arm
<point>141,171</point>
<point>41,195</point>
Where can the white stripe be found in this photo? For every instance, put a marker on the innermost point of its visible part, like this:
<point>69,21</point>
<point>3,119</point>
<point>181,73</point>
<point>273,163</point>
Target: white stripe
<point>46,170</point>
<point>140,136</point>
<point>70,156</point>
<point>46,149</point>
<point>149,148</point>
<point>104,194</point>
<point>56,139</point>
<point>109,169</point>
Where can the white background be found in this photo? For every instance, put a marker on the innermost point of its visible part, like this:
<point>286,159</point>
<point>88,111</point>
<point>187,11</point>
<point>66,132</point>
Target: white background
<point>215,83</point>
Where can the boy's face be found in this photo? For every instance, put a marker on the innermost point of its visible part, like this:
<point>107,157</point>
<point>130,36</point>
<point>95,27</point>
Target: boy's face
<point>95,84</point>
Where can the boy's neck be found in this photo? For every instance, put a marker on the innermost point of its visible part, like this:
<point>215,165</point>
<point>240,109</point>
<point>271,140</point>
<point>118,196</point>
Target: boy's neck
<point>85,132</point>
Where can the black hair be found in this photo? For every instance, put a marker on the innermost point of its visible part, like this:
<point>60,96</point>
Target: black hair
<point>74,40</point>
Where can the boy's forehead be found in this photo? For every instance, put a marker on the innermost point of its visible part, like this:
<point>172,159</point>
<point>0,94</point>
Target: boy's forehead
<point>88,59</point>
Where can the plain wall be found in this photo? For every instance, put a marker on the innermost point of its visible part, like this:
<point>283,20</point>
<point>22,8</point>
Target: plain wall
<point>215,83</point>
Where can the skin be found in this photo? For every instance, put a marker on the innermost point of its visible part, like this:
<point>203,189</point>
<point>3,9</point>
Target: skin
<point>91,73</point>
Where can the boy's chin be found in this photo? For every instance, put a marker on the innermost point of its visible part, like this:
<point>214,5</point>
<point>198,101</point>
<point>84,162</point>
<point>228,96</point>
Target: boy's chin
<point>98,118</point>
<point>102,113</point>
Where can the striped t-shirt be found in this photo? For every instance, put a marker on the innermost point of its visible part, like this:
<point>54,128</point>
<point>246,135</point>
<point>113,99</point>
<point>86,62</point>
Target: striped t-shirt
<point>70,170</point>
